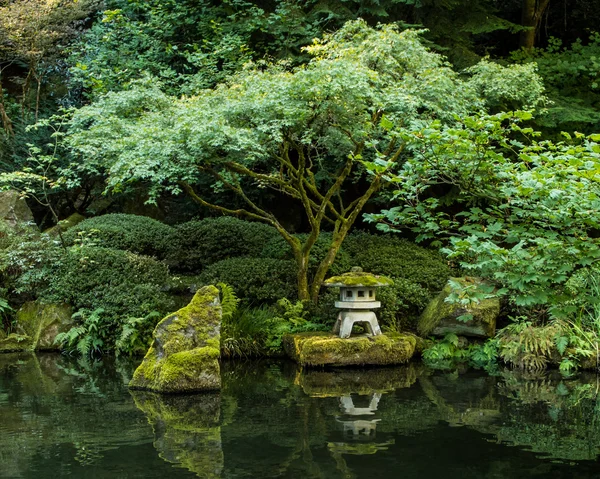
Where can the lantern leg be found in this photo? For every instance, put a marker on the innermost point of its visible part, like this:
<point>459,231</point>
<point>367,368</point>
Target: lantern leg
<point>374,325</point>
<point>346,324</point>
<point>338,323</point>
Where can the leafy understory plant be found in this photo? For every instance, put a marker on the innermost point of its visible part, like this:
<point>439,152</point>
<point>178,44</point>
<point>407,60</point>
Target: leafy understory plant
<point>136,335</point>
<point>445,353</point>
<point>5,311</point>
<point>88,337</point>
<point>526,346</point>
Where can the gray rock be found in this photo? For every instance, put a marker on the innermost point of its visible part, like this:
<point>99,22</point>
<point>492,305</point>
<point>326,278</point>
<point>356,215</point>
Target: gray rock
<point>184,356</point>
<point>440,316</point>
<point>39,324</point>
<point>14,212</point>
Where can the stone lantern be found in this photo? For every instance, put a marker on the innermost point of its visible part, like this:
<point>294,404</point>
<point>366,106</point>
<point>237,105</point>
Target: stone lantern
<point>357,300</point>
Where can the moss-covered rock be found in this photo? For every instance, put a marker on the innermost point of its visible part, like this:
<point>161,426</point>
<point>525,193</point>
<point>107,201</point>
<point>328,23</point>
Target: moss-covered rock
<point>440,316</point>
<point>65,224</point>
<point>184,356</point>
<point>14,212</point>
<point>327,349</point>
<point>16,342</point>
<point>43,322</point>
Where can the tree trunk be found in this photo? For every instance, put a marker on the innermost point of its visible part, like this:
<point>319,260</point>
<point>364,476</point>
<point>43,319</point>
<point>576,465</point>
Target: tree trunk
<point>531,17</point>
<point>303,290</point>
<point>334,248</point>
<point>6,123</point>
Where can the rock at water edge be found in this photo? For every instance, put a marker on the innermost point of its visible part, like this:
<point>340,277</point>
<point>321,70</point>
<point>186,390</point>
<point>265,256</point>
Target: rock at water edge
<point>440,316</point>
<point>184,355</point>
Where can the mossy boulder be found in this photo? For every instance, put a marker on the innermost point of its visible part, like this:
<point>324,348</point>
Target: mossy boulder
<point>14,212</point>
<point>441,317</point>
<point>184,355</point>
<point>327,349</point>
<point>16,342</point>
<point>65,224</point>
<point>43,322</point>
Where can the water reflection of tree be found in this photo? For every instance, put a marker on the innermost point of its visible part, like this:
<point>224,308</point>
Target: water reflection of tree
<point>557,417</point>
<point>72,408</point>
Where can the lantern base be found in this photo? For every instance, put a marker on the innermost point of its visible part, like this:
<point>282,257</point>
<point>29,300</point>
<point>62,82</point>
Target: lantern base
<point>347,319</point>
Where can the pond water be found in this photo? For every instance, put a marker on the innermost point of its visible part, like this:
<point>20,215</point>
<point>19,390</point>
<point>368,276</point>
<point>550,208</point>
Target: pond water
<point>60,417</point>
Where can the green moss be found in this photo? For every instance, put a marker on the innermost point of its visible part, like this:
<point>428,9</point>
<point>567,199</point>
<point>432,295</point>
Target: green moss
<point>16,342</point>
<point>42,322</point>
<point>359,279</point>
<point>439,318</point>
<point>319,349</point>
<point>65,224</point>
<point>186,348</point>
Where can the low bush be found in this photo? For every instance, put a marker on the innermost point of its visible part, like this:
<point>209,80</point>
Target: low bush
<point>138,234</point>
<point>255,280</point>
<point>399,258</point>
<point>205,242</point>
<point>121,283</point>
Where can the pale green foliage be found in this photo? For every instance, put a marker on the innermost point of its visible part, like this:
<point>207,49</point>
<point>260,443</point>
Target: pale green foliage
<point>143,134</point>
<point>508,88</point>
<point>527,208</point>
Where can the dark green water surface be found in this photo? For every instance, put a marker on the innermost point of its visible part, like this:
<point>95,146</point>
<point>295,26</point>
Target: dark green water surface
<point>63,418</point>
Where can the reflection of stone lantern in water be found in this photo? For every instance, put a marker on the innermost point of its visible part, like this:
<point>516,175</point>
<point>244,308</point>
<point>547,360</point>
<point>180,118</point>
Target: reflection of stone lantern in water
<point>357,428</point>
<point>357,300</point>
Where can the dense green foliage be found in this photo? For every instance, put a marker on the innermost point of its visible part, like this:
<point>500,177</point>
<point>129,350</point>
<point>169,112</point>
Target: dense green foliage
<point>122,283</point>
<point>256,280</point>
<point>300,115</point>
<point>304,133</point>
<point>138,234</point>
<point>198,244</point>
<point>526,225</point>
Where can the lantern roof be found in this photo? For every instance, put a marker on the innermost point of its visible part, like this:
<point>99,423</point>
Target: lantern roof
<point>357,278</point>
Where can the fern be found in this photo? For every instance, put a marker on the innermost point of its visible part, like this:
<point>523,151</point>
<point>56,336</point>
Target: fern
<point>136,335</point>
<point>229,301</point>
<point>86,338</point>
<point>526,346</point>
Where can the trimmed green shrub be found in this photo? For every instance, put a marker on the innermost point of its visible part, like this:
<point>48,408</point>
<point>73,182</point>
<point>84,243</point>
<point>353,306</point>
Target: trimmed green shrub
<point>205,242</point>
<point>418,274</point>
<point>138,234</point>
<point>255,280</point>
<point>121,283</point>
<point>398,258</point>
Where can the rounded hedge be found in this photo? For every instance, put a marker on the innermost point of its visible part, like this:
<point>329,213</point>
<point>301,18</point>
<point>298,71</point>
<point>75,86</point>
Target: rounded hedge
<point>138,234</point>
<point>398,258</point>
<point>255,280</point>
<point>278,248</point>
<point>205,242</point>
<point>122,283</point>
